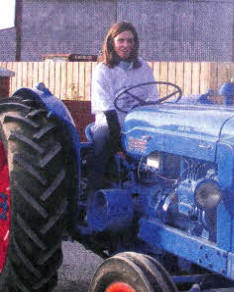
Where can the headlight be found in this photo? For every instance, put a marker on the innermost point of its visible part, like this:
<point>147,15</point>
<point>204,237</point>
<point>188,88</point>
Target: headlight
<point>154,160</point>
<point>207,194</point>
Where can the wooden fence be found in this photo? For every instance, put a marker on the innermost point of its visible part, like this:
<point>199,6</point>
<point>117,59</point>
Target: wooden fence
<point>72,80</point>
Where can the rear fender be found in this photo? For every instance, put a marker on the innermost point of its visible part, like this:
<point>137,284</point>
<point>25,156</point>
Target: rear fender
<point>57,107</point>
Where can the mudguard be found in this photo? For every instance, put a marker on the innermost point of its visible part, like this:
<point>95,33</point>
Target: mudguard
<point>56,107</point>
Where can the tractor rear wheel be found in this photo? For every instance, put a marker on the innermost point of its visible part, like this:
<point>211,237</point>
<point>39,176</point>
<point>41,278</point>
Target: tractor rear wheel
<point>32,197</point>
<point>131,272</point>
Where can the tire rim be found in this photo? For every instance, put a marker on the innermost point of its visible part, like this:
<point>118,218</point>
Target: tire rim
<point>119,287</point>
<point>4,206</point>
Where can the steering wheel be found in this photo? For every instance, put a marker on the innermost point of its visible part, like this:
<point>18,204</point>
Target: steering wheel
<point>127,98</point>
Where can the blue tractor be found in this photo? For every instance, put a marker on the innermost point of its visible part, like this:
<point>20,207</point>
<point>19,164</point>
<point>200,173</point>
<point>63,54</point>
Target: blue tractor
<point>163,222</point>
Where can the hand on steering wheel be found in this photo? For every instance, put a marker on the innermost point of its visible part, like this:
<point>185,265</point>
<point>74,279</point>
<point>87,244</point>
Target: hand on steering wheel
<point>133,101</point>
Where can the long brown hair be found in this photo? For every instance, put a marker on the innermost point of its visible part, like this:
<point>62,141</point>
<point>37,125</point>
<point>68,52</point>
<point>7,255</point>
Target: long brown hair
<point>108,55</point>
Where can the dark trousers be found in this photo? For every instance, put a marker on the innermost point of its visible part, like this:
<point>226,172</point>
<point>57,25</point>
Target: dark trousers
<point>100,157</point>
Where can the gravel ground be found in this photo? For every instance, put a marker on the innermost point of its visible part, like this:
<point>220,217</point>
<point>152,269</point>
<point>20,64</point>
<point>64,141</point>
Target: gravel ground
<point>77,268</point>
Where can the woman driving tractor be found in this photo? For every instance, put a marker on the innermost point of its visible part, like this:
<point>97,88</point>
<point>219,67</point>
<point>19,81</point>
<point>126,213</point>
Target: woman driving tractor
<point>119,68</point>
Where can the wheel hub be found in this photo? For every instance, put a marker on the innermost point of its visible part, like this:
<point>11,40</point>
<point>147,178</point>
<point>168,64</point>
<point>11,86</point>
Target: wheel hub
<point>119,287</point>
<point>4,207</point>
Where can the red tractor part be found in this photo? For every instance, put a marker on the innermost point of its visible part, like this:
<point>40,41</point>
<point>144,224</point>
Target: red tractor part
<point>4,206</point>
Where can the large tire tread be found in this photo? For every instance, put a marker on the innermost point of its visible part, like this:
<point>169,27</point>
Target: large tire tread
<point>24,121</point>
<point>43,131</point>
<point>33,203</point>
<point>38,196</point>
<point>30,233</point>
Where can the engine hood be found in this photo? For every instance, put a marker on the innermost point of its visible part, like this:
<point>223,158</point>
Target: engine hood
<point>188,130</point>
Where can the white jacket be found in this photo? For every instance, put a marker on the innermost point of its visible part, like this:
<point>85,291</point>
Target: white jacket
<point>107,82</point>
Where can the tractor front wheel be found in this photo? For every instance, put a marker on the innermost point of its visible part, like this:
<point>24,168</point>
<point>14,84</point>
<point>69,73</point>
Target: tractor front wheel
<point>33,198</point>
<point>131,272</point>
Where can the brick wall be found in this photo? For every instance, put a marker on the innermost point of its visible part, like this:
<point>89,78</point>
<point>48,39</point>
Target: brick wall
<point>57,26</point>
<point>8,44</point>
<point>178,30</point>
<point>168,30</point>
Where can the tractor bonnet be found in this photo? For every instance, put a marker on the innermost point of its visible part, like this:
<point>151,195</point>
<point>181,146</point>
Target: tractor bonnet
<point>187,130</point>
